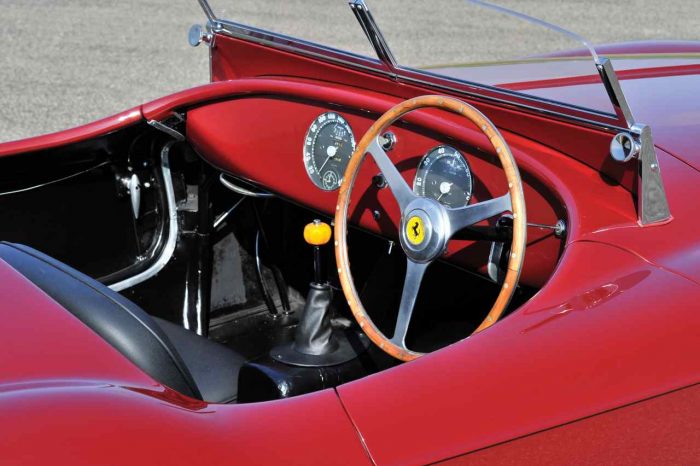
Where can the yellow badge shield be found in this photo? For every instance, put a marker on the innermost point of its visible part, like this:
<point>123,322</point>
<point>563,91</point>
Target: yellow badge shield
<point>415,231</point>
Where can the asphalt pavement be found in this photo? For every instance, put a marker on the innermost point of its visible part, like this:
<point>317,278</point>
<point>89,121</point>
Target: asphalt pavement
<point>65,63</point>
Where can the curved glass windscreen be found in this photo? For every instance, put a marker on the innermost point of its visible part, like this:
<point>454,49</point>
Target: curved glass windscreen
<point>471,41</point>
<point>481,43</point>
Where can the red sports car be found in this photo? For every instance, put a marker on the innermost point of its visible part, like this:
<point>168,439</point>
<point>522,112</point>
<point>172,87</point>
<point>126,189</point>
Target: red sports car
<point>328,257</point>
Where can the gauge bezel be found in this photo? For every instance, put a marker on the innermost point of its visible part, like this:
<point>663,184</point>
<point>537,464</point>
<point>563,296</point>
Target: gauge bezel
<point>312,133</point>
<point>431,151</point>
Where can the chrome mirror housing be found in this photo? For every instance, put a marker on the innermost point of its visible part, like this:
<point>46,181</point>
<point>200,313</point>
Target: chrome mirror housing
<point>624,147</point>
<point>198,34</point>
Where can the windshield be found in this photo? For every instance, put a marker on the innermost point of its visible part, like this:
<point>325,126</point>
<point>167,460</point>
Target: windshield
<point>468,42</point>
<point>478,42</point>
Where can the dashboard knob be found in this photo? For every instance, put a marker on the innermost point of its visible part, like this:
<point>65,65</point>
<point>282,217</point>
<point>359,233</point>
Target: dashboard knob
<point>317,233</point>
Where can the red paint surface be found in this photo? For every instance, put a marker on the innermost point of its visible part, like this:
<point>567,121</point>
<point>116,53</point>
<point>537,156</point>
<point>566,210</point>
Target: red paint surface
<point>83,424</point>
<point>609,329</point>
<point>662,430</point>
<point>43,344</point>
<point>69,136</point>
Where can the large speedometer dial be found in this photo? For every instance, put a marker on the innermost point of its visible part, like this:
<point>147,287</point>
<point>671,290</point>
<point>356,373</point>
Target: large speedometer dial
<point>328,146</point>
<point>444,175</point>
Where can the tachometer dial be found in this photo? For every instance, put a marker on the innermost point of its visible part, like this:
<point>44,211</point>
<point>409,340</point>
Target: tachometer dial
<point>328,146</point>
<point>444,175</point>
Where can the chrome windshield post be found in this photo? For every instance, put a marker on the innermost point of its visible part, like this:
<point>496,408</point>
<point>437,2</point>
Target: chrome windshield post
<point>208,11</point>
<point>375,36</point>
<point>615,94</point>
<point>652,204</point>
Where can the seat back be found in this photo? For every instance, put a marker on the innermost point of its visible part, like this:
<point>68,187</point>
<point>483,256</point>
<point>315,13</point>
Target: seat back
<point>124,325</point>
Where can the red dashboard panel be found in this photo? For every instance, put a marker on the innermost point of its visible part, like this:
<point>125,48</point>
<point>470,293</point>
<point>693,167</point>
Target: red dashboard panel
<point>261,139</point>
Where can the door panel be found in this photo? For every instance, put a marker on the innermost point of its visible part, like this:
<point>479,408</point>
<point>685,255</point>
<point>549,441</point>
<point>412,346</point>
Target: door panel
<point>73,203</point>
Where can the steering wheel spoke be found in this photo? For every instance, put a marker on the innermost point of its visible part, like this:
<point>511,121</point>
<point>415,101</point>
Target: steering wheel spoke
<point>472,214</point>
<point>402,192</point>
<point>411,286</point>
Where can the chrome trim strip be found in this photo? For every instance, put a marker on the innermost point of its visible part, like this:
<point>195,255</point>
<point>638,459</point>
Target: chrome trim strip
<point>242,191</point>
<point>169,247</point>
<point>167,130</point>
<point>434,79</point>
<point>519,104</point>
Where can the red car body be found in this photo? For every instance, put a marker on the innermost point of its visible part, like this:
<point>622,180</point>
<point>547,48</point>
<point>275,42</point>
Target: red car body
<point>600,366</point>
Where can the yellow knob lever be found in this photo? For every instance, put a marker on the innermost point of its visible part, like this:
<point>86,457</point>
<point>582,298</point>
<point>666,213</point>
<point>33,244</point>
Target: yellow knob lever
<point>317,233</point>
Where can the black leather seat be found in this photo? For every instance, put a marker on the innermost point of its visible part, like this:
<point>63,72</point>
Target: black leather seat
<point>172,355</point>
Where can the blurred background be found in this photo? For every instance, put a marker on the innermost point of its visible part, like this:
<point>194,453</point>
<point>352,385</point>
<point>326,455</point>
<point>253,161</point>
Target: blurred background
<point>68,62</point>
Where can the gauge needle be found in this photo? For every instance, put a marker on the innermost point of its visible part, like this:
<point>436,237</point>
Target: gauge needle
<point>444,189</point>
<point>330,152</point>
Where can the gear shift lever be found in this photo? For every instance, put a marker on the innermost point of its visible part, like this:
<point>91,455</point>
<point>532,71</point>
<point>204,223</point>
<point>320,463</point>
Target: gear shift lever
<point>316,344</point>
<point>317,234</point>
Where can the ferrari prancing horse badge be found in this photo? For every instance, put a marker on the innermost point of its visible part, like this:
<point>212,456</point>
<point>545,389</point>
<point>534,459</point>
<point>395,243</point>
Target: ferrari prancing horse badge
<point>415,231</point>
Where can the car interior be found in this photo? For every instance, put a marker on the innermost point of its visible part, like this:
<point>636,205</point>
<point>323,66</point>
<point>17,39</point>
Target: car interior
<point>248,305</point>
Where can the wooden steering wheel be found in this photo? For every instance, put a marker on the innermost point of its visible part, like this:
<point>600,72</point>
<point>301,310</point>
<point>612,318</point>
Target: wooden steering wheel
<point>426,225</point>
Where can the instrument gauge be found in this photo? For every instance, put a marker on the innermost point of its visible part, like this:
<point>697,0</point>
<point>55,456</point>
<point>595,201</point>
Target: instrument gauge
<point>444,175</point>
<point>328,146</point>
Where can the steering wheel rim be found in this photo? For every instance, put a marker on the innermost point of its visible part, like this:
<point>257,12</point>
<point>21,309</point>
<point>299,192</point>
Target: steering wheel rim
<point>438,223</point>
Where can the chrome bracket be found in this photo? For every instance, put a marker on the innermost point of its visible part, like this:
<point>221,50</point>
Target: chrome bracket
<point>652,205</point>
<point>652,202</point>
<point>168,126</point>
<point>375,36</point>
<point>132,185</point>
<point>559,228</point>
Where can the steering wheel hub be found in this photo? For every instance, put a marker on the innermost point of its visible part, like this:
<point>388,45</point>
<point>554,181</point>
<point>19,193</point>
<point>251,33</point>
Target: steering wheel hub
<point>422,230</point>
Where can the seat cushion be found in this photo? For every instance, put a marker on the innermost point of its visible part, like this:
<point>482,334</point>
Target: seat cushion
<point>131,331</point>
<point>213,366</point>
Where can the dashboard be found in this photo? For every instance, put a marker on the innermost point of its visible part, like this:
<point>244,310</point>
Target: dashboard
<point>299,150</point>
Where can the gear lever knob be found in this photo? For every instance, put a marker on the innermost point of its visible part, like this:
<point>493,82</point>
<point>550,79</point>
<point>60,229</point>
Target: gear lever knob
<point>317,234</point>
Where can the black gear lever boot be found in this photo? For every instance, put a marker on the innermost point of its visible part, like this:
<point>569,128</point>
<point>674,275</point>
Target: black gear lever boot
<point>314,333</point>
<point>316,344</point>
